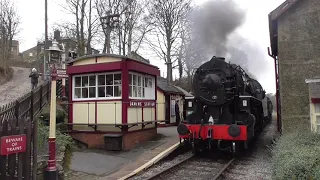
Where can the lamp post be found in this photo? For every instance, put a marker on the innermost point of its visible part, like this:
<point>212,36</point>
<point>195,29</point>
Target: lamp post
<point>63,61</point>
<point>54,59</point>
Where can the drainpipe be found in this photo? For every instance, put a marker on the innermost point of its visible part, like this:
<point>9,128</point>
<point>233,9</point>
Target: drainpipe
<point>276,67</point>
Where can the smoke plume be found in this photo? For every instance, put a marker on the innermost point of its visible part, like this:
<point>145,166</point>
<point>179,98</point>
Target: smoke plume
<point>214,21</point>
<point>213,24</point>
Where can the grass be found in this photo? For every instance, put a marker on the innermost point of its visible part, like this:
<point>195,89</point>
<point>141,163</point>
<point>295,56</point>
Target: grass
<point>296,156</point>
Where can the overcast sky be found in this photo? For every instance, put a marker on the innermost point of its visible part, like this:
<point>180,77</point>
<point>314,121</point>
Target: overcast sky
<point>255,29</point>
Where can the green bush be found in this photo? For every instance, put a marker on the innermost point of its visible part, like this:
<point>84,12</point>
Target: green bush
<point>60,113</point>
<point>62,140</point>
<point>296,156</point>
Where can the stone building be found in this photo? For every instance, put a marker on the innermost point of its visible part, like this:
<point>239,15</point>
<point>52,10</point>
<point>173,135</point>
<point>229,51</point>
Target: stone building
<point>295,42</point>
<point>314,98</point>
<point>37,52</point>
<point>14,50</point>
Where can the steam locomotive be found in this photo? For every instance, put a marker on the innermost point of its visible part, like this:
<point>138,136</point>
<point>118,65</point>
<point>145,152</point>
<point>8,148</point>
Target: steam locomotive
<point>230,108</point>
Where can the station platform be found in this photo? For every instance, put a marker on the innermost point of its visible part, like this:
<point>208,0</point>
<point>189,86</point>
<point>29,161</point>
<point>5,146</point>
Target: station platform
<point>106,165</point>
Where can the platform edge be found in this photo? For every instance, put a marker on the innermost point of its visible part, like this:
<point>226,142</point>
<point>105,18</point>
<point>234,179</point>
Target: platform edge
<point>154,160</point>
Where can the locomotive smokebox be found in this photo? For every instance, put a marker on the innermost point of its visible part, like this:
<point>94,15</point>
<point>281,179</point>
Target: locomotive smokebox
<point>212,82</point>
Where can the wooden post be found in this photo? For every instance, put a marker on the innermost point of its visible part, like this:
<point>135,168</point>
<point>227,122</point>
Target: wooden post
<point>31,105</point>
<point>35,149</point>
<point>16,111</point>
<point>48,91</point>
<point>40,99</point>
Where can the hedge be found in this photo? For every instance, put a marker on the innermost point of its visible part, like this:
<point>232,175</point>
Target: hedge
<point>296,156</point>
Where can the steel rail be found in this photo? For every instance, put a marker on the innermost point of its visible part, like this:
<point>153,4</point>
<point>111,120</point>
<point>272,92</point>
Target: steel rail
<point>223,169</point>
<point>169,168</point>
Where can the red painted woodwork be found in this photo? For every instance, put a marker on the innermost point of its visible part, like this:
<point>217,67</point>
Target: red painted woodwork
<point>315,100</point>
<point>90,68</point>
<point>220,132</point>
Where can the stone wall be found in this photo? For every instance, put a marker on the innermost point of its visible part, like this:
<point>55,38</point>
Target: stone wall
<point>299,59</point>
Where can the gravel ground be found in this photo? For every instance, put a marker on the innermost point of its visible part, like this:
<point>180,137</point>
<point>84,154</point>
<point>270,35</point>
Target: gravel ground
<point>160,166</point>
<point>258,164</point>
<point>254,166</point>
<point>17,87</point>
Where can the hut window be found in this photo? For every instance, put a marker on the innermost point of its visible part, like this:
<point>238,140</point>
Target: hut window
<point>97,86</point>
<point>109,85</point>
<point>85,87</point>
<point>141,86</point>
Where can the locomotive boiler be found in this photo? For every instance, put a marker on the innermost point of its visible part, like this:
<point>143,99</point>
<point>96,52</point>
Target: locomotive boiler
<point>230,108</point>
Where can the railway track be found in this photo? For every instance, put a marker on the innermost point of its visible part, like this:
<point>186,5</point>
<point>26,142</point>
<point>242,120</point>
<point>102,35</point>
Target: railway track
<point>195,168</point>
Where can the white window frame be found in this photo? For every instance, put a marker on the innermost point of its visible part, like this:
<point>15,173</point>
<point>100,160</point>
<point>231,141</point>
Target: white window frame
<point>143,76</point>
<point>96,86</point>
<point>314,116</point>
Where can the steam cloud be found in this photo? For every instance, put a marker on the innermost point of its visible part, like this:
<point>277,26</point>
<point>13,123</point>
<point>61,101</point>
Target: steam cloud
<point>212,25</point>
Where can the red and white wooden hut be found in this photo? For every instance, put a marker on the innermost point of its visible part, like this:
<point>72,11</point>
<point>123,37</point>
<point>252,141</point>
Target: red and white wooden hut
<point>112,100</point>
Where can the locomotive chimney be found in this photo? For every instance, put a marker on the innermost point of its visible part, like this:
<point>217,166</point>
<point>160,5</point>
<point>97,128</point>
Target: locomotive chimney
<point>220,58</point>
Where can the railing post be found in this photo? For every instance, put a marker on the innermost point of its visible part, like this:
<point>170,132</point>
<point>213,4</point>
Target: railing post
<point>16,110</point>
<point>40,100</point>
<point>31,105</point>
<point>48,91</point>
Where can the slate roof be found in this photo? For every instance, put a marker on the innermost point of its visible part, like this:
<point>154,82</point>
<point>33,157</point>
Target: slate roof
<point>110,55</point>
<point>169,88</point>
<point>186,93</point>
<point>273,23</point>
<point>136,56</point>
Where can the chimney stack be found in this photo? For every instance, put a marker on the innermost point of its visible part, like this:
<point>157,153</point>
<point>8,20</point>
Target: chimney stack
<point>56,35</point>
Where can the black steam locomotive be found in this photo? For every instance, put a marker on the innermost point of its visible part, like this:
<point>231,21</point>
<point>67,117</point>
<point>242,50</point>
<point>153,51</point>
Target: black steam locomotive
<point>230,108</point>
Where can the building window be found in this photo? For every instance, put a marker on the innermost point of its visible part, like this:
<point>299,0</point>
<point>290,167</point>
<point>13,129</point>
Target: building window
<point>141,86</point>
<point>97,86</point>
<point>173,107</point>
<point>317,115</point>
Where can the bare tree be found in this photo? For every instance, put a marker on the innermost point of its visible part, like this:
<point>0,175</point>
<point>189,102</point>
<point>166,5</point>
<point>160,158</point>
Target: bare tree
<point>166,18</point>
<point>9,22</point>
<point>107,7</point>
<point>84,26</point>
<point>128,33</point>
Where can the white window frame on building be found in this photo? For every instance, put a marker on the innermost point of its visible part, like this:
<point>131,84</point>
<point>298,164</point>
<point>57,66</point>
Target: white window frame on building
<point>315,115</point>
<point>94,84</point>
<point>141,86</point>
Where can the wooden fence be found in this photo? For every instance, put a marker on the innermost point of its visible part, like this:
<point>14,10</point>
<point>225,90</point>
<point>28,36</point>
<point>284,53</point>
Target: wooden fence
<point>18,118</point>
<point>28,105</point>
<point>19,165</point>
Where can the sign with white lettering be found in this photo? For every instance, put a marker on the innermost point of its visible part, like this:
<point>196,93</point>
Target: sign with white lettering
<point>13,144</point>
<point>62,73</point>
<point>142,104</point>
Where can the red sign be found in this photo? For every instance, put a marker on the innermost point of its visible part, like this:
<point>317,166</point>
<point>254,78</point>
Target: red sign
<point>13,144</point>
<point>142,104</point>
